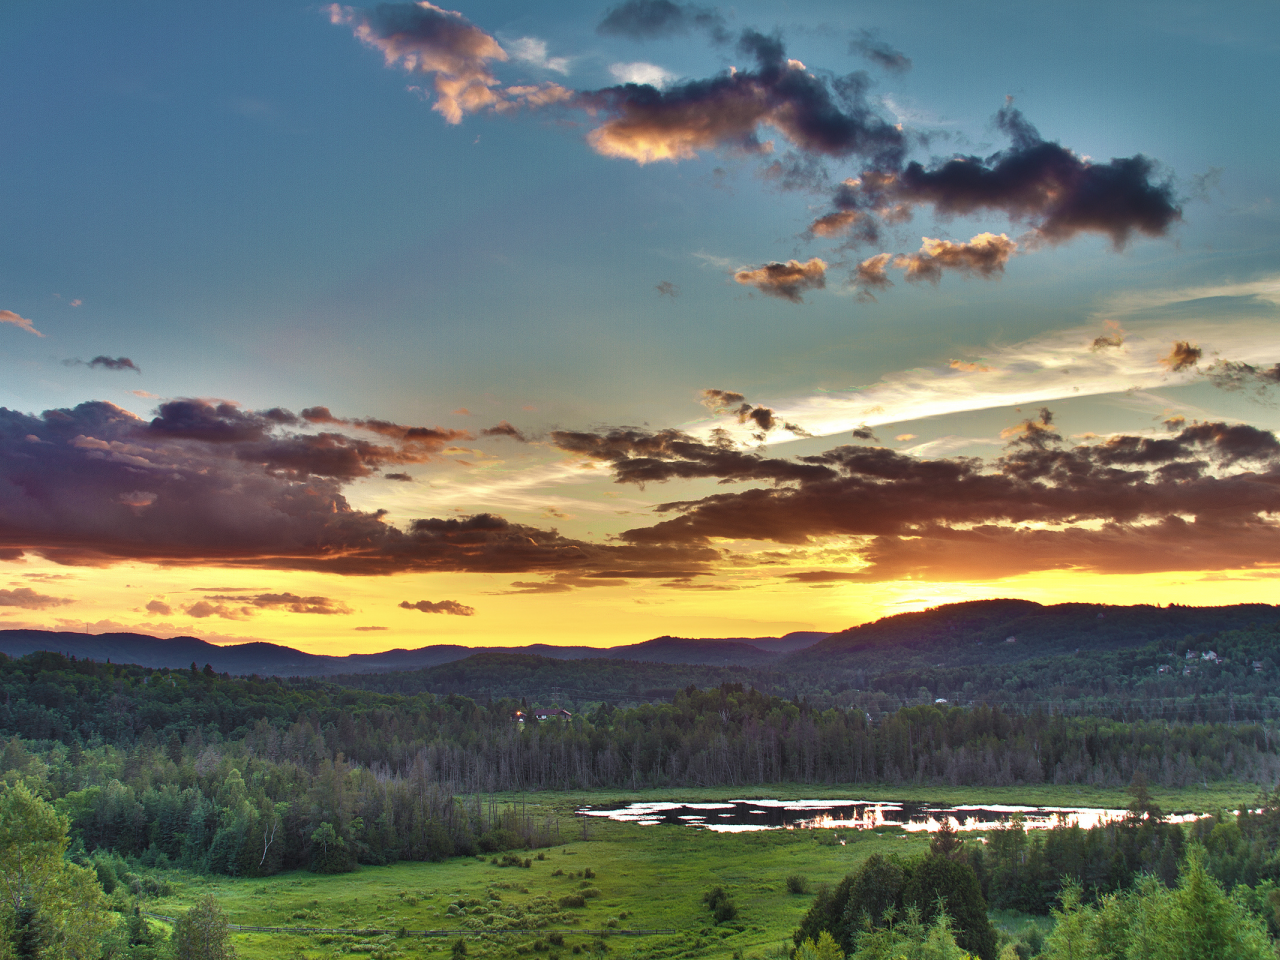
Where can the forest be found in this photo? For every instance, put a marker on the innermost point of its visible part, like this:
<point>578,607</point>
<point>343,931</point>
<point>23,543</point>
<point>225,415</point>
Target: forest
<point>250,777</point>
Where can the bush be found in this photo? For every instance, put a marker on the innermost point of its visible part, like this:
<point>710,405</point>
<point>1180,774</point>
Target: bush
<point>722,908</point>
<point>556,939</point>
<point>797,884</point>
<point>572,900</point>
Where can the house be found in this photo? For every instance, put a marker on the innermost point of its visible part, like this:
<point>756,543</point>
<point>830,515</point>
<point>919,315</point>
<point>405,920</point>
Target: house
<point>1164,668</point>
<point>517,716</point>
<point>1210,656</point>
<point>1010,639</point>
<point>552,713</point>
<point>1257,666</point>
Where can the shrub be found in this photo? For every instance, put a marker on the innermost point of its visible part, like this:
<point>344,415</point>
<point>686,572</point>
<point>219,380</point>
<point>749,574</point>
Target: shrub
<point>557,939</point>
<point>722,908</point>
<point>572,900</point>
<point>797,884</point>
<point>589,873</point>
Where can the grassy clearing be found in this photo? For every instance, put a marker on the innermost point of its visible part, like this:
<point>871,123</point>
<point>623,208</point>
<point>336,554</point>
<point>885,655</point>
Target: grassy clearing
<point>645,877</point>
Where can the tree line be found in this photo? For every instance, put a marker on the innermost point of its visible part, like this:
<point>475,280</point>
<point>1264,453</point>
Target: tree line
<point>248,776</point>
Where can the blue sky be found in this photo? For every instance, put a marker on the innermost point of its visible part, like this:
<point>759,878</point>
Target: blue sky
<point>250,204</point>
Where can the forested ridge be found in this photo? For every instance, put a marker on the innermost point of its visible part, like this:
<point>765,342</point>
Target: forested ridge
<point>251,775</point>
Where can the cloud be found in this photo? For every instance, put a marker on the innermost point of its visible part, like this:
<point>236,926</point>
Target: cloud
<point>720,401</point>
<point>1033,372</point>
<point>835,224</point>
<point>1056,192</point>
<point>641,456</point>
<point>202,609</point>
<point>984,255</point>
<point>399,477</point>
<point>221,500</point>
<point>423,38</point>
<point>27,599</point>
<point>817,114</point>
<point>1204,498</point>
<point>533,51</point>
<point>655,19</point>
<point>451,607</point>
<point>107,363</point>
<point>368,628</point>
<point>641,73</point>
<point>870,275</point>
<point>1182,356</point>
<point>865,433</point>
<point>159,607</point>
<point>1235,375</point>
<point>969,367</point>
<point>667,289</point>
<point>1112,340</point>
<point>504,429</point>
<point>1036,433</point>
<point>786,280</point>
<point>879,53</point>
<point>8,316</point>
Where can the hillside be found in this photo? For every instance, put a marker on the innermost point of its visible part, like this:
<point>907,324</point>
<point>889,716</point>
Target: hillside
<point>269,659</point>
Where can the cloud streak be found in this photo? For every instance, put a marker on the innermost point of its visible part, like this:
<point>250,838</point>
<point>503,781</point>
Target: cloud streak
<point>451,607</point>
<point>22,323</point>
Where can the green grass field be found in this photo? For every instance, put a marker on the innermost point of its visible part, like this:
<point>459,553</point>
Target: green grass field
<point>646,878</point>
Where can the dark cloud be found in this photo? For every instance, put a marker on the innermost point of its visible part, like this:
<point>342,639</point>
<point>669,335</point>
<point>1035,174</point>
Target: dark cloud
<point>27,599</point>
<point>106,363</point>
<point>1235,375</point>
<point>865,433</point>
<point>880,53</point>
<point>504,429</point>
<point>654,19</point>
<point>818,115</point>
<point>1035,433</point>
<point>209,421</point>
<point>1200,499</point>
<point>451,607</point>
<point>1056,192</point>
<point>641,457</point>
<point>159,607</point>
<point>667,289</point>
<point>1182,355</point>
<point>786,281</point>
<point>400,477</point>
<point>985,255</point>
<point>211,484</point>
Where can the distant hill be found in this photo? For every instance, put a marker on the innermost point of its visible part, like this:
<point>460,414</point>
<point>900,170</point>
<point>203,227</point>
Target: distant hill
<point>1006,631</point>
<point>269,659</point>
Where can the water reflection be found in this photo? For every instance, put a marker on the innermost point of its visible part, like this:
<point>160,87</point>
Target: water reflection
<point>734,816</point>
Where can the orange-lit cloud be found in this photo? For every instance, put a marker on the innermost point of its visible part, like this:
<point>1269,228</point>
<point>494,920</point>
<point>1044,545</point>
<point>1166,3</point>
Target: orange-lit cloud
<point>22,323</point>
<point>984,255</point>
<point>787,281</point>
<point>424,38</point>
<point>1182,356</point>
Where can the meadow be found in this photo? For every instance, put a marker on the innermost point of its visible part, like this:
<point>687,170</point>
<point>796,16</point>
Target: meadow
<point>625,876</point>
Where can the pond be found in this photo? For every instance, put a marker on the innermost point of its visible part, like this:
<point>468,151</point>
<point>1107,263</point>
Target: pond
<point>733,816</point>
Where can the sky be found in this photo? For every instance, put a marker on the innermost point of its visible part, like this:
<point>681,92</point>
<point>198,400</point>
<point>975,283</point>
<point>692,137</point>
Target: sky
<point>356,328</point>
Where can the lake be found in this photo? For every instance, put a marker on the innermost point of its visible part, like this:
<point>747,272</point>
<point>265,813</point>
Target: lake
<point>733,816</point>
